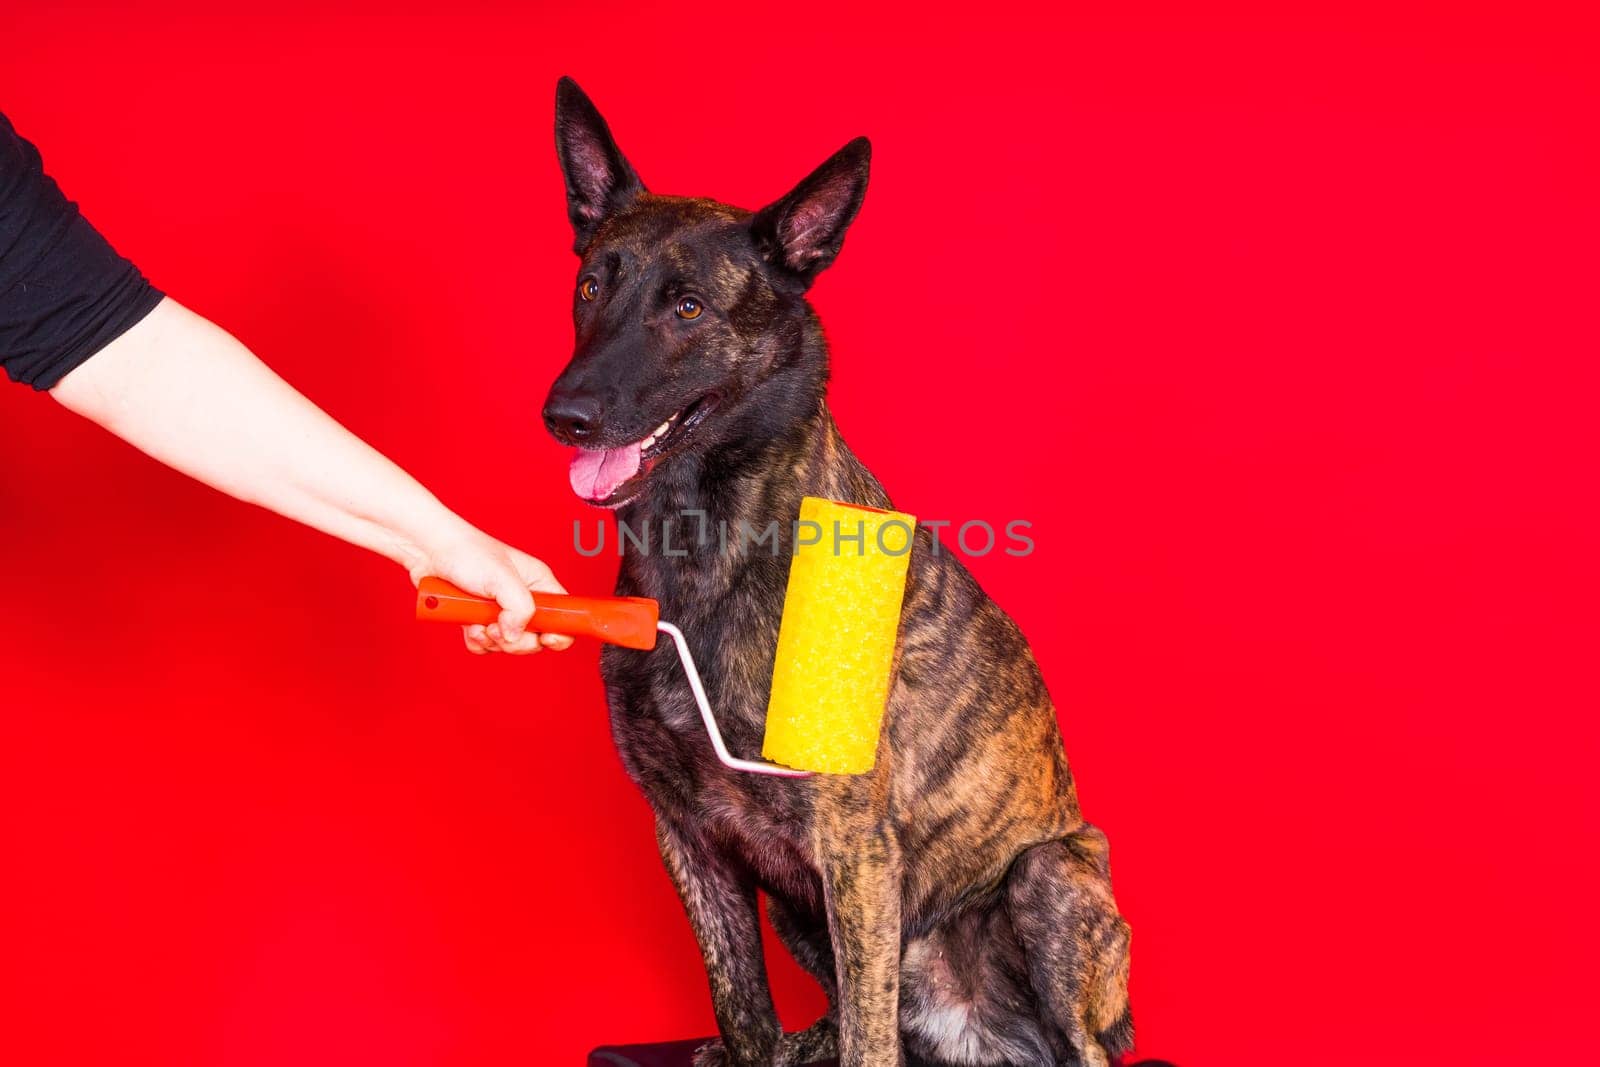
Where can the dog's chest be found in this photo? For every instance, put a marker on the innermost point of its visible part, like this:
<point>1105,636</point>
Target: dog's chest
<point>730,624</point>
<point>765,824</point>
<point>764,821</point>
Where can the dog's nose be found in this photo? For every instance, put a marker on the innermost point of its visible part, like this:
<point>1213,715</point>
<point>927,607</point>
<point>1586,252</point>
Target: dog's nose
<point>572,417</point>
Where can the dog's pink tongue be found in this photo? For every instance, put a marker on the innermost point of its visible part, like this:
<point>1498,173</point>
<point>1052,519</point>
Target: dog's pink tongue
<point>596,475</point>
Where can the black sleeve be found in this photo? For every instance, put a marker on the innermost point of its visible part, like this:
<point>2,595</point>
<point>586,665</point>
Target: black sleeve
<point>64,292</point>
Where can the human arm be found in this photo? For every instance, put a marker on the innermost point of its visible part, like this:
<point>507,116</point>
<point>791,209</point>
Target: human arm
<point>184,391</point>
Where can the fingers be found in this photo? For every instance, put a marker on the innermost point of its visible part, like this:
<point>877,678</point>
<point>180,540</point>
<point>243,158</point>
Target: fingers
<point>533,575</point>
<point>484,639</point>
<point>487,567</point>
<point>476,640</point>
<point>516,604</point>
<point>523,644</point>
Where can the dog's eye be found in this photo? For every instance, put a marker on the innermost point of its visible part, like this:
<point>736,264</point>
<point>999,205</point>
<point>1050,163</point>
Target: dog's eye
<point>689,308</point>
<point>588,288</point>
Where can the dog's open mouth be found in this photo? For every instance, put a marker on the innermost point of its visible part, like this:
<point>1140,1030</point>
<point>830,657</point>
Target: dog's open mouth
<point>610,477</point>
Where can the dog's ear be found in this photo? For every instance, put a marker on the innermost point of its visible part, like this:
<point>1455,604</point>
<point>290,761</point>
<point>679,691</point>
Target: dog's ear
<point>803,232</point>
<point>599,179</point>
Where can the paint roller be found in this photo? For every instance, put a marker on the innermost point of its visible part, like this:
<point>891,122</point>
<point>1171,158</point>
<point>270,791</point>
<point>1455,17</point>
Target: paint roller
<point>831,672</point>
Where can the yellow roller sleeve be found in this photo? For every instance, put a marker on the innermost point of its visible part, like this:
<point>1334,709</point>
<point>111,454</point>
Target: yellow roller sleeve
<point>830,679</point>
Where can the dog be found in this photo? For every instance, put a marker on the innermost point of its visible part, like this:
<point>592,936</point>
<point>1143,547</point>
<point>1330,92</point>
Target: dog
<point>953,902</point>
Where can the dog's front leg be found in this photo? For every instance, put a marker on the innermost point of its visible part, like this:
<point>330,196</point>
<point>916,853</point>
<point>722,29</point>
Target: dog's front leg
<point>861,882</point>
<point>722,910</point>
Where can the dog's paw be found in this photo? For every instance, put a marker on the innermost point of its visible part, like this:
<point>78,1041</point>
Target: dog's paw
<point>819,1041</point>
<point>711,1054</point>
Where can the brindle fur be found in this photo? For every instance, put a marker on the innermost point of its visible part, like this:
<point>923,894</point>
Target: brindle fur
<point>953,902</point>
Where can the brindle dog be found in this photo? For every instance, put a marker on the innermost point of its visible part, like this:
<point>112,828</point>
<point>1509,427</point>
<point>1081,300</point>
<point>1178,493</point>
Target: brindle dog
<point>953,902</point>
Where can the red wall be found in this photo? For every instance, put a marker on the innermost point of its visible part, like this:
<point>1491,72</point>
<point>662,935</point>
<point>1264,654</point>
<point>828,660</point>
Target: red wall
<point>1283,337</point>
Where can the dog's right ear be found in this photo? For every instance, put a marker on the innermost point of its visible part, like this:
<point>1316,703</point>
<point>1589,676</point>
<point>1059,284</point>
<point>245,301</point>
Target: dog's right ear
<point>599,179</point>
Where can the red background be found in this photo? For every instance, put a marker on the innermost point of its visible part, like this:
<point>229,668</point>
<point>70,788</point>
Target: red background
<point>1283,336</point>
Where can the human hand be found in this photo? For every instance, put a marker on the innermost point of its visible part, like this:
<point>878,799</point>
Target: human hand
<point>482,565</point>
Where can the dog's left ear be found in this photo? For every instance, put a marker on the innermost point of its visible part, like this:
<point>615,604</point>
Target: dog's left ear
<point>600,180</point>
<point>804,231</point>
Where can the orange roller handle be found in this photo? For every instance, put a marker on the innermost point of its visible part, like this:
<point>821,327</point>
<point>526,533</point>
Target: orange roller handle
<point>629,621</point>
